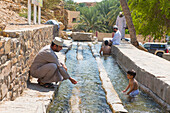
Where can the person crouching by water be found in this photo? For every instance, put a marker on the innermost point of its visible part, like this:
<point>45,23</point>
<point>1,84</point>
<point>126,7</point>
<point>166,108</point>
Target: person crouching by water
<point>46,66</point>
<point>133,84</point>
<point>106,49</point>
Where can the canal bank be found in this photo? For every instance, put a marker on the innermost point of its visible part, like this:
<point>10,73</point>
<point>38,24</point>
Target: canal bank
<point>152,71</point>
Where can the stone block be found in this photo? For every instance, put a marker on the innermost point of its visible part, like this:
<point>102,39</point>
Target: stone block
<point>7,68</point>
<point>3,59</point>
<point>11,55</point>
<point>14,61</point>
<point>118,108</point>
<point>80,36</point>
<point>15,87</point>
<point>14,72</point>
<point>14,95</point>
<point>3,91</point>
<point>11,34</point>
<point>15,43</point>
<point>2,42</point>
<point>9,95</point>
<point>11,86</point>
<point>2,51</point>
<point>7,46</point>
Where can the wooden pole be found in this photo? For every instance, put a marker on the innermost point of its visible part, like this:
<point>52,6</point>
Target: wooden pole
<point>39,15</point>
<point>29,12</point>
<point>35,14</point>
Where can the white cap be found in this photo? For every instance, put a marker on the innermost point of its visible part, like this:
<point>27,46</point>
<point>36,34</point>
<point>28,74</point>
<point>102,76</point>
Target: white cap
<point>120,13</point>
<point>58,41</point>
<point>115,26</point>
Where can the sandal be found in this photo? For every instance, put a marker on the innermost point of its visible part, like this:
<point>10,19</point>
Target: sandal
<point>48,85</point>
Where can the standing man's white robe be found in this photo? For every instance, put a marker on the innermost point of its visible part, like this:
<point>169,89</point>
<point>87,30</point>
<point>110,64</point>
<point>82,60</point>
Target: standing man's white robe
<point>121,24</point>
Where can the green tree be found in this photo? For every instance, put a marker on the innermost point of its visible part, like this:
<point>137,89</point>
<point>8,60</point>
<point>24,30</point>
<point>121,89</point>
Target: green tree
<point>151,17</point>
<point>114,12</point>
<point>50,4</point>
<point>70,5</point>
<point>108,9</point>
<point>90,21</point>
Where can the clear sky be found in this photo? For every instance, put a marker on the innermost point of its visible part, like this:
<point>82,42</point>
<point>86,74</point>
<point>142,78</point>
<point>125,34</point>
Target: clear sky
<point>87,0</point>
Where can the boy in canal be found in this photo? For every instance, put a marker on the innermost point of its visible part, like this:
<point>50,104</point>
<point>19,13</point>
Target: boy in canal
<point>133,84</point>
<point>106,49</point>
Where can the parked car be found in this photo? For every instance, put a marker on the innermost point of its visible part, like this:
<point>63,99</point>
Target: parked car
<point>156,48</point>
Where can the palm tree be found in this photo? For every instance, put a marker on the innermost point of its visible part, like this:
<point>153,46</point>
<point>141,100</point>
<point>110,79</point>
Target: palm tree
<point>114,11</point>
<point>91,21</point>
<point>129,22</point>
<point>109,10</point>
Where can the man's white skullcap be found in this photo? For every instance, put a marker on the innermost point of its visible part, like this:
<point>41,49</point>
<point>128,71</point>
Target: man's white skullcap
<point>115,26</point>
<point>120,13</point>
<point>58,41</point>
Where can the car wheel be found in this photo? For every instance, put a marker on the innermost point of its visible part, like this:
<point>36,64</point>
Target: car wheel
<point>159,54</point>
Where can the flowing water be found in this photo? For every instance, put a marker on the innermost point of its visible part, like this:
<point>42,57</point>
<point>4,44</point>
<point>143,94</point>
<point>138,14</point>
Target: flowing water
<point>88,90</point>
<point>142,103</point>
<point>88,94</point>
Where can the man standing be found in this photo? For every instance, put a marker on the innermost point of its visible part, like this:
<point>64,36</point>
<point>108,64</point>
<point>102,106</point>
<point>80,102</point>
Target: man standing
<point>121,23</point>
<point>46,66</point>
<point>117,36</point>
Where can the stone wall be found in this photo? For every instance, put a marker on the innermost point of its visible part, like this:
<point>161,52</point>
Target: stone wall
<point>81,36</point>
<point>100,36</point>
<point>17,52</point>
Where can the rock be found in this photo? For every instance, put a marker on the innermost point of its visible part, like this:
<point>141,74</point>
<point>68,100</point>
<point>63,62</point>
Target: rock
<point>80,36</point>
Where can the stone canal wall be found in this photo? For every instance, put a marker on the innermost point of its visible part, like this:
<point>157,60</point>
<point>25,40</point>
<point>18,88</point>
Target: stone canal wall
<point>17,52</point>
<point>153,72</point>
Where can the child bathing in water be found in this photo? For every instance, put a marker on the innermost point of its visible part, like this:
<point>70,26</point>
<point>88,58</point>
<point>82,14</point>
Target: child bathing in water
<point>133,84</point>
<point>106,49</point>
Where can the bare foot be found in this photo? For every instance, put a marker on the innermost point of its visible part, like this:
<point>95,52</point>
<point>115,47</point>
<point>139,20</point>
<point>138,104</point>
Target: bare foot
<point>73,81</point>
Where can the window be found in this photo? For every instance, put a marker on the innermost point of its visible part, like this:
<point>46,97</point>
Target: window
<point>73,20</point>
<point>147,46</point>
<point>154,46</point>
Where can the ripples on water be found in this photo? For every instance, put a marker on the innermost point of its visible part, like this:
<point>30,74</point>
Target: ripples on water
<point>91,93</point>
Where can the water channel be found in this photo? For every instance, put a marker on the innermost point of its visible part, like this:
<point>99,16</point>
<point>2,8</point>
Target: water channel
<point>88,96</point>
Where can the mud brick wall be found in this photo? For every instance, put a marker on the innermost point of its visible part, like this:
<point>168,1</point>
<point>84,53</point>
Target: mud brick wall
<point>17,52</point>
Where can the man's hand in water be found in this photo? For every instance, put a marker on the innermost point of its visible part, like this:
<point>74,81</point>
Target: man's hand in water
<point>72,80</point>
